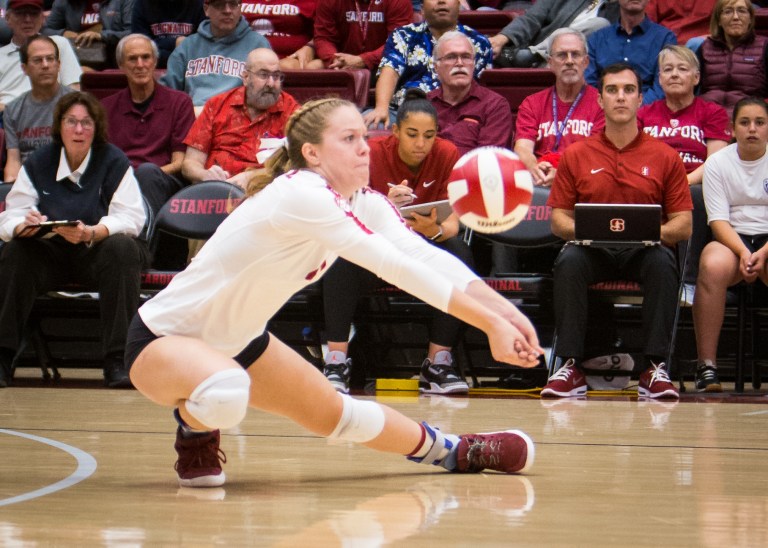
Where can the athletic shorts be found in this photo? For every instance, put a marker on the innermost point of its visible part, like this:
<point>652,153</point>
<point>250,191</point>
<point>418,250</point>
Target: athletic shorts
<point>754,242</point>
<point>139,336</point>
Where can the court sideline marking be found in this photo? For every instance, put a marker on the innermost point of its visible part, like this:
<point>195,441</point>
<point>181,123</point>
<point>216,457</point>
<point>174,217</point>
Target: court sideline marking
<point>86,465</point>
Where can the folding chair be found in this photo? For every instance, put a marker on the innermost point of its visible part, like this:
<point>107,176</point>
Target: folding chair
<point>193,213</point>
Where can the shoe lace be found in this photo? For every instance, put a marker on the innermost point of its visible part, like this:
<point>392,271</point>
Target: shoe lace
<point>564,372</point>
<point>659,374</point>
<point>207,455</point>
<point>483,453</point>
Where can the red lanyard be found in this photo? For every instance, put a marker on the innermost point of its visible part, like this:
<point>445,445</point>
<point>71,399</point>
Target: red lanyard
<point>363,21</point>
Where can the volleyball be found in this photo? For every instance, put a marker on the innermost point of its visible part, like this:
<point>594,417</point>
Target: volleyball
<point>490,189</point>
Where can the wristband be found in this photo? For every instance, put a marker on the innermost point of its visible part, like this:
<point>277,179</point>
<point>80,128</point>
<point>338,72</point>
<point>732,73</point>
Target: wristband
<point>438,235</point>
<point>93,237</point>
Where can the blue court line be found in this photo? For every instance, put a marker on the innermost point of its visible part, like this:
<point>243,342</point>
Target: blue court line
<point>86,465</point>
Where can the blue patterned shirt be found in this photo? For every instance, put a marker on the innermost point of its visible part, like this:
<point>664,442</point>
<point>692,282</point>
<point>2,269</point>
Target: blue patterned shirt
<point>640,49</point>
<point>408,52</point>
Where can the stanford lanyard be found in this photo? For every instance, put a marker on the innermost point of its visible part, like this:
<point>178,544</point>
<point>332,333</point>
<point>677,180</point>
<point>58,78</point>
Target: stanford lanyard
<point>560,128</point>
<point>363,24</point>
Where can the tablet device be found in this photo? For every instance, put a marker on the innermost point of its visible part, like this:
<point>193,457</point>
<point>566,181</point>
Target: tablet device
<point>46,227</point>
<point>443,210</point>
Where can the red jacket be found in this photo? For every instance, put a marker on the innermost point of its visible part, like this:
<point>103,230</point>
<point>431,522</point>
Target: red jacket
<point>357,27</point>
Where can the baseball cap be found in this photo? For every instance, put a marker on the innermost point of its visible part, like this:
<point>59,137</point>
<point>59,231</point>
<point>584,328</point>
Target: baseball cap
<point>19,4</point>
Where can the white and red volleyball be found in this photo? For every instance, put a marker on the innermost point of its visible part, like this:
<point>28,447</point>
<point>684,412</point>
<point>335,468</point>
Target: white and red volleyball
<point>490,189</point>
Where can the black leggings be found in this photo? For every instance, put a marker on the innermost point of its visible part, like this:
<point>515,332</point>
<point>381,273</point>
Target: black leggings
<point>345,283</point>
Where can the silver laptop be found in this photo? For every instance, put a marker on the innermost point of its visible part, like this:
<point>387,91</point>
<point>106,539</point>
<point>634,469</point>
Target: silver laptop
<point>618,225</point>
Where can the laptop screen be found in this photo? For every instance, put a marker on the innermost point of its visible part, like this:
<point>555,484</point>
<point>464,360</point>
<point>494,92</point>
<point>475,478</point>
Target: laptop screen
<point>618,223</point>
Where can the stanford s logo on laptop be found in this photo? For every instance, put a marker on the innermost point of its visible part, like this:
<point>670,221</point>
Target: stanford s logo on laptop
<point>617,225</point>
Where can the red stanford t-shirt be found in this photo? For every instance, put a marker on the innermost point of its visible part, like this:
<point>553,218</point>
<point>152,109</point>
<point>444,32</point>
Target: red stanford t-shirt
<point>286,25</point>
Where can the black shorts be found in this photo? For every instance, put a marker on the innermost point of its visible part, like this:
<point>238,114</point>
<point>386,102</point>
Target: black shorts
<point>139,336</point>
<point>755,241</point>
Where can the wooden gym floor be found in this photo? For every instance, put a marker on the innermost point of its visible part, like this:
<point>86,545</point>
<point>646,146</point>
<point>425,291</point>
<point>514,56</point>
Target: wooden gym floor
<point>86,466</point>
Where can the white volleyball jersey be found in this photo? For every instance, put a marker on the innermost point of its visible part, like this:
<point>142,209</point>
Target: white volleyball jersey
<point>284,238</point>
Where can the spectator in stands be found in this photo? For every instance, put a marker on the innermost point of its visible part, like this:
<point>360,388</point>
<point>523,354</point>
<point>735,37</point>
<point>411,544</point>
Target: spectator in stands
<point>351,34</point>
<point>411,166</point>
<point>79,176</point>
<point>167,23</point>
<point>620,165</point>
<point>25,19</point>
<point>407,60</point>
<point>28,119</point>
<point>695,128</point>
<point>86,23</point>
<point>634,39</point>
<point>686,18</point>
<point>148,122</point>
<point>469,115</point>
<point>236,127</point>
<point>550,120</point>
<point>212,60</point>
<point>737,206</point>
<point>523,42</point>
<point>734,59</point>
<point>286,25</point>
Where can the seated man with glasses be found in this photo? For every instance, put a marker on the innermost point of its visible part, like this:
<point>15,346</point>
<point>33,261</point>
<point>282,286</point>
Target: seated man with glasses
<point>469,114</point>
<point>237,129</point>
<point>212,60</point>
<point>551,119</point>
<point>28,119</point>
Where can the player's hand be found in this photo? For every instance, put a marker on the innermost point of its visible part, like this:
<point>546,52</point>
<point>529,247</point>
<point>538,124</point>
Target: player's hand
<point>509,345</point>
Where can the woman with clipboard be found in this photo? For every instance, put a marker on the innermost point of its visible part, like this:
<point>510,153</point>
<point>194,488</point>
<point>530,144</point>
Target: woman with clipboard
<point>412,167</point>
<point>72,216</point>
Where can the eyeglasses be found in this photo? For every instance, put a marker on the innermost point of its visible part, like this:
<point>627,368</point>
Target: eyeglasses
<point>37,61</point>
<point>221,4</point>
<point>455,57</point>
<point>741,12</point>
<point>86,123</point>
<point>265,75</point>
<point>562,56</point>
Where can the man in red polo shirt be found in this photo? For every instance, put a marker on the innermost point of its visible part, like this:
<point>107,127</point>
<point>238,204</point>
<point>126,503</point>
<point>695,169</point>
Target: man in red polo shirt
<point>236,125</point>
<point>619,165</point>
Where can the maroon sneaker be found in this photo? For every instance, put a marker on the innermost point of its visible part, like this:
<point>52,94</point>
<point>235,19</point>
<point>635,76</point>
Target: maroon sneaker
<point>510,452</point>
<point>654,383</point>
<point>200,459</point>
<point>567,381</point>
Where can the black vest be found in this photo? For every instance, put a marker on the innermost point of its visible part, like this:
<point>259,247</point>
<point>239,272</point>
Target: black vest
<point>64,200</point>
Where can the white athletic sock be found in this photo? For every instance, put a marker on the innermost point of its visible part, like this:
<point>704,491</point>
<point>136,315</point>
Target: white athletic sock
<point>335,356</point>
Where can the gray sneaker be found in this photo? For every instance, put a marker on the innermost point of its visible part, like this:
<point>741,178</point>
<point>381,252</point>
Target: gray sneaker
<point>706,378</point>
<point>441,378</point>
<point>338,375</point>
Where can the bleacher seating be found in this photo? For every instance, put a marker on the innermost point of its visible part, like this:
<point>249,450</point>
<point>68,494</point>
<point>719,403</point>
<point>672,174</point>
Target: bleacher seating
<point>761,21</point>
<point>487,22</point>
<point>352,85</point>
<point>517,84</point>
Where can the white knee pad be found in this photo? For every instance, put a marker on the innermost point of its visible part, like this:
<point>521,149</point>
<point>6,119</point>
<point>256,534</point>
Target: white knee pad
<point>221,400</point>
<point>360,421</point>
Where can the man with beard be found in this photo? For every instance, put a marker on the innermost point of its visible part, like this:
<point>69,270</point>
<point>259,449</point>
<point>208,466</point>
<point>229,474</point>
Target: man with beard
<point>407,59</point>
<point>469,114</point>
<point>235,126</point>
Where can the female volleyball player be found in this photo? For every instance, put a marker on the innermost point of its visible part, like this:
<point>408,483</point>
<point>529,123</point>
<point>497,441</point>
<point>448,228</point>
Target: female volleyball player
<point>192,347</point>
